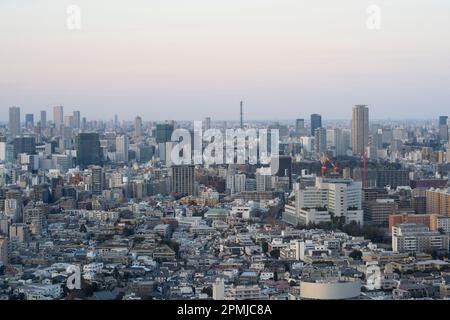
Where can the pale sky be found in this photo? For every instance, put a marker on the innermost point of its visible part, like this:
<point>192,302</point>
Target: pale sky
<point>188,59</point>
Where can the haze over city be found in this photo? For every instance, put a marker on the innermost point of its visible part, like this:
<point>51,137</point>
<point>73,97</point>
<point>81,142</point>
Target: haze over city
<point>186,60</point>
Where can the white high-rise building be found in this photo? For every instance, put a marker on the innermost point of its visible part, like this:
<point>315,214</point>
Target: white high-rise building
<point>340,197</point>
<point>122,146</point>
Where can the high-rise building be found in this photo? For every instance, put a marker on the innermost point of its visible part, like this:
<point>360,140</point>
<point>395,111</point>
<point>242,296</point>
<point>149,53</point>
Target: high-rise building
<point>207,123</point>
<point>182,179</point>
<point>316,122</point>
<point>392,178</point>
<point>138,127</point>
<point>68,122</point>
<point>300,129</point>
<point>443,129</point>
<point>29,120</point>
<point>438,201</point>
<point>360,129</point>
<point>377,212</point>
<point>164,132</point>
<point>321,140</point>
<point>77,119</point>
<point>58,116</point>
<point>122,146</point>
<point>14,121</point>
<point>43,119</point>
<point>340,197</point>
<point>97,180</point>
<point>25,144</point>
<point>88,149</point>
<point>284,168</point>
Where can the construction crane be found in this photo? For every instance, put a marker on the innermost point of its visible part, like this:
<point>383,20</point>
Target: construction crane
<point>323,160</point>
<point>334,165</point>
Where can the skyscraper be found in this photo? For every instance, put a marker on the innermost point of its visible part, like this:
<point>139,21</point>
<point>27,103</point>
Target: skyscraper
<point>182,179</point>
<point>97,180</point>
<point>443,129</point>
<point>43,119</point>
<point>316,122</point>
<point>300,127</point>
<point>122,146</point>
<point>360,129</point>
<point>321,140</point>
<point>76,120</point>
<point>138,127</point>
<point>29,120</point>
<point>58,116</point>
<point>14,121</point>
<point>164,132</point>
<point>88,149</point>
<point>207,123</point>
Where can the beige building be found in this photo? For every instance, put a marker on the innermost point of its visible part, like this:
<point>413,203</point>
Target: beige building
<point>360,129</point>
<point>438,201</point>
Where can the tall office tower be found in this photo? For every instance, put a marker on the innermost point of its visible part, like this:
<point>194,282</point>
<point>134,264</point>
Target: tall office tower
<point>97,180</point>
<point>164,132</point>
<point>321,140</point>
<point>300,127</point>
<point>24,145</point>
<point>68,122</point>
<point>242,115</point>
<point>138,127</point>
<point>182,179</point>
<point>122,146</point>
<point>360,129</point>
<point>443,129</point>
<point>316,122</point>
<point>284,169</point>
<point>335,141</point>
<point>77,120</point>
<point>43,119</point>
<point>116,121</point>
<point>14,121</point>
<point>207,123</point>
<point>29,120</point>
<point>88,149</point>
<point>58,116</point>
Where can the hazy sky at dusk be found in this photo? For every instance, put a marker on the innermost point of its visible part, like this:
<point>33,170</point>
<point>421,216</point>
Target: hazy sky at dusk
<point>187,59</point>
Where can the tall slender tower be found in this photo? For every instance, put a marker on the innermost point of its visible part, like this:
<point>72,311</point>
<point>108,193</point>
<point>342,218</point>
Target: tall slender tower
<point>360,129</point>
<point>14,121</point>
<point>242,114</point>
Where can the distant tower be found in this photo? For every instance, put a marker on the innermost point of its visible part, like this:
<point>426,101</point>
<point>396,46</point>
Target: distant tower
<point>14,121</point>
<point>360,129</point>
<point>242,114</point>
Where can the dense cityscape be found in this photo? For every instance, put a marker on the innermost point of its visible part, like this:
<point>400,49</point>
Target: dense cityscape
<point>100,210</point>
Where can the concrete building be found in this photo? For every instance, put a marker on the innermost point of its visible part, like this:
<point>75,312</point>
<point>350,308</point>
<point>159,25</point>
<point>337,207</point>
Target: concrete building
<point>360,129</point>
<point>14,121</point>
<point>182,179</point>
<point>122,146</point>
<point>411,237</point>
